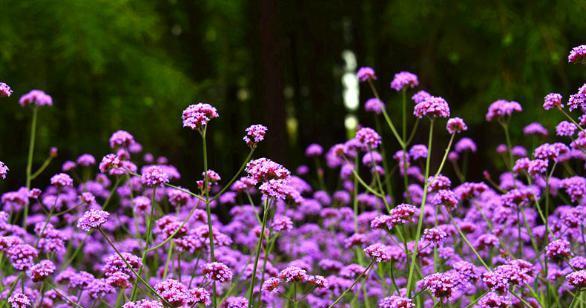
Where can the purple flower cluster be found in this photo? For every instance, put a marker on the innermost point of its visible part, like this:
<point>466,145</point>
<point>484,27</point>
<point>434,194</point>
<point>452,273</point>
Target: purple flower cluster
<point>36,98</point>
<point>400,226</point>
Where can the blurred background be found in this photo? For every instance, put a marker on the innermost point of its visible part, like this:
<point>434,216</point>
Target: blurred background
<point>288,64</point>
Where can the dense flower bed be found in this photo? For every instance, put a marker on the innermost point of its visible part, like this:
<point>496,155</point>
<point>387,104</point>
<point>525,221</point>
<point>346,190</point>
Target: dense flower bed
<point>389,230</point>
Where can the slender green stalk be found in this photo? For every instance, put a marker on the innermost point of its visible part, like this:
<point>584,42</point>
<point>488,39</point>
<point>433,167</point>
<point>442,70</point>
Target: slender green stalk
<point>29,163</point>
<point>257,254</point>
<point>147,240</point>
<point>139,277</point>
<point>411,278</point>
<point>352,286</point>
<point>570,118</point>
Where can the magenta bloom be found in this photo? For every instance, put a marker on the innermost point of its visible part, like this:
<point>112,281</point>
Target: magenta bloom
<point>217,271</point>
<point>5,90</point>
<point>365,74</point>
<point>434,236</point>
<point>235,302</point>
<point>62,180</point>
<point>552,100</point>
<point>420,96</point>
<point>37,98</point>
<point>22,256</point>
<point>19,300</point>
<point>535,129</point>
<point>379,252</point>
<point>404,80</point>
<point>92,219</point>
<point>456,125</point>
<point>565,129</point>
<point>368,138</point>
<point>3,170</point>
<point>153,176</point>
<point>577,54</point>
<point>577,279</point>
<point>42,270</point>
<point>441,285</point>
<point>143,303</point>
<point>293,274</point>
<point>264,169</point>
<point>435,107</point>
<point>558,250</point>
<point>255,134</point>
<point>502,109</point>
<point>395,301</point>
<point>314,150</point>
<point>121,139</point>
<point>197,116</point>
<point>374,105</point>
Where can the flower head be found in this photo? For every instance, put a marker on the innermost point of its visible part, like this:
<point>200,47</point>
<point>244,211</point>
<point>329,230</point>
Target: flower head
<point>404,80</point>
<point>42,270</point>
<point>153,176</point>
<point>5,90</point>
<point>365,74</point>
<point>217,271</point>
<point>577,54</point>
<point>456,126</point>
<point>92,219</point>
<point>552,100</point>
<point>3,170</point>
<point>395,301</point>
<point>37,98</point>
<point>374,105</point>
<point>255,134</point>
<point>502,109</point>
<point>197,116</point>
<point>435,107</point>
<point>368,138</point>
<point>62,180</point>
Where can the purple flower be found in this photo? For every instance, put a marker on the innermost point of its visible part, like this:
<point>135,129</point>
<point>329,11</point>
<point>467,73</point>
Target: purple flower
<point>420,96</point>
<point>37,98</point>
<point>293,274</point>
<point>395,301</point>
<point>235,302</point>
<point>42,270</point>
<point>217,271</point>
<point>368,138</point>
<point>92,219</point>
<point>282,223</point>
<point>3,170</point>
<point>456,126</point>
<point>577,54</point>
<point>465,145</point>
<point>5,90</point>
<point>494,300</point>
<point>22,256</point>
<point>19,300</point>
<point>418,151</point>
<point>552,100</point>
<point>374,105</point>
<point>566,129</point>
<point>255,134</point>
<point>535,129</point>
<point>558,249</point>
<point>502,109</point>
<point>441,285</point>
<point>271,285</point>
<point>153,176</point>
<point>379,252</point>
<point>62,180</point>
<point>86,160</point>
<point>403,80</point>
<point>578,100</point>
<point>446,198</point>
<point>577,279</point>
<point>314,150</point>
<point>121,139</point>
<point>432,107</point>
<point>365,74</point>
<point>143,303</point>
<point>264,169</point>
<point>197,116</point>
<point>435,236</point>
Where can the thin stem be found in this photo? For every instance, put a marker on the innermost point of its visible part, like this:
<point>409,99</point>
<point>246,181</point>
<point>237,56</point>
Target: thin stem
<point>208,208</point>
<point>411,277</point>
<point>29,164</point>
<point>146,284</point>
<point>352,286</point>
<point>257,255</point>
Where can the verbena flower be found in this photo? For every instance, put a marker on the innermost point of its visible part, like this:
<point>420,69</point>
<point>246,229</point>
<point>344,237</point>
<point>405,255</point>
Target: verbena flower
<point>404,80</point>
<point>255,134</point>
<point>153,176</point>
<point>502,109</point>
<point>553,100</point>
<point>92,219</point>
<point>5,90</point>
<point>365,74</point>
<point>395,301</point>
<point>218,272</point>
<point>3,170</point>
<point>368,138</point>
<point>37,98</point>
<point>62,180</point>
<point>577,54</point>
<point>198,115</point>
<point>374,105</point>
<point>121,139</point>
<point>435,107</point>
<point>456,126</point>
<point>314,150</point>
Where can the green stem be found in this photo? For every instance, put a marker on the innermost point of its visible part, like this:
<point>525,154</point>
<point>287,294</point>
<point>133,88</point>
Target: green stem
<point>410,279</point>
<point>29,164</point>
<point>257,255</point>
<point>352,286</point>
